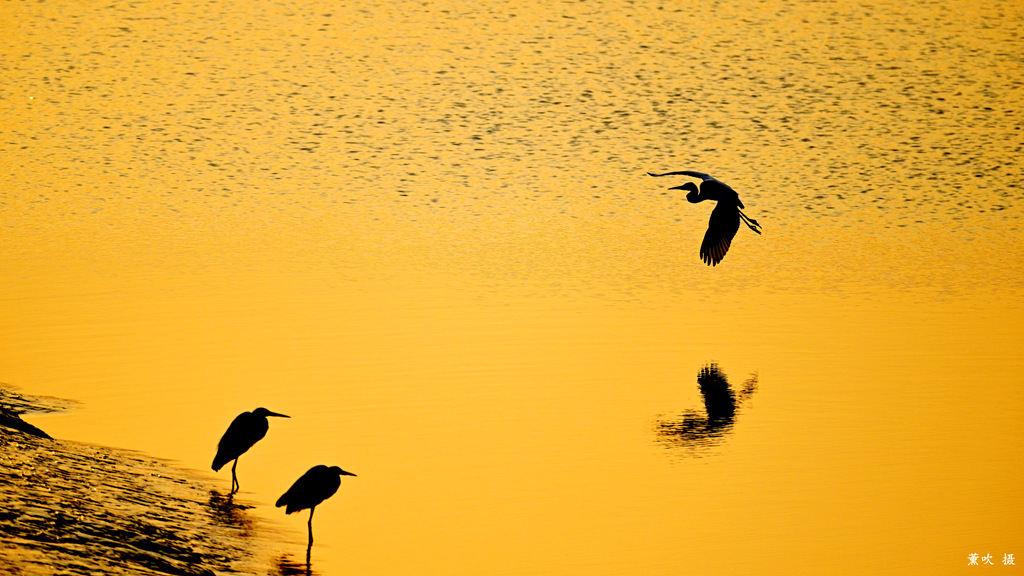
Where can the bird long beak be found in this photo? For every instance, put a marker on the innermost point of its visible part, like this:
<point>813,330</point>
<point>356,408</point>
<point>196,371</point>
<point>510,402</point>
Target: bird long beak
<point>678,187</point>
<point>343,473</point>
<point>269,413</point>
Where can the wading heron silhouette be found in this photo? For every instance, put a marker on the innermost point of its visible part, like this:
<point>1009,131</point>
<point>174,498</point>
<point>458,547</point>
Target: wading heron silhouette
<point>725,218</point>
<point>318,484</point>
<point>245,430</point>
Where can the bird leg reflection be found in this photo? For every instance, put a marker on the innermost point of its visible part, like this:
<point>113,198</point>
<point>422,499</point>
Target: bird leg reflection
<point>309,562</point>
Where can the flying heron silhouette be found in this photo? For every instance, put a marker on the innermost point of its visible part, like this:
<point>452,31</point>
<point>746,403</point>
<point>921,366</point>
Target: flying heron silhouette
<point>318,484</point>
<point>725,218</point>
<point>245,430</point>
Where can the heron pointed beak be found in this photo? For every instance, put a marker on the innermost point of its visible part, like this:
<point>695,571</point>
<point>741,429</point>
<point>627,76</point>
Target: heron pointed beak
<point>683,187</point>
<point>343,473</point>
<point>278,415</point>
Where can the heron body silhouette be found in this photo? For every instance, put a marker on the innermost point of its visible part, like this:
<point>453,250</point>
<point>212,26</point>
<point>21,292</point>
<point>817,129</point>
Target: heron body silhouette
<point>245,430</point>
<point>725,218</point>
<point>318,484</point>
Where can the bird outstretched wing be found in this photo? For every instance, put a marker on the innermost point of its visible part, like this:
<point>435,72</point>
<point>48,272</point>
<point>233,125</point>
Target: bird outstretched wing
<point>700,175</point>
<point>722,227</point>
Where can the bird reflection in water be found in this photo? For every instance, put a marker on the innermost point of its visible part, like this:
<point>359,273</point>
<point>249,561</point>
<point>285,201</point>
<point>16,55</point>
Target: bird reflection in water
<point>693,430</point>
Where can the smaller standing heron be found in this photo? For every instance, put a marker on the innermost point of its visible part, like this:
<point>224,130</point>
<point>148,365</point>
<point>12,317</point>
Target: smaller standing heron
<point>318,484</point>
<point>725,218</point>
<point>245,430</point>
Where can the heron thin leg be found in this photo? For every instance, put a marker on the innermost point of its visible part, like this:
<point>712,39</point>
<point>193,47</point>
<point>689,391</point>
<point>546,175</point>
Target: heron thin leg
<point>310,529</point>
<point>234,479</point>
<point>750,222</point>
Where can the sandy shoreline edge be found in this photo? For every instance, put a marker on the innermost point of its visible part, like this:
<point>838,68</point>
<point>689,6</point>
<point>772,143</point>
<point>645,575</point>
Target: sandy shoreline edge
<point>72,508</point>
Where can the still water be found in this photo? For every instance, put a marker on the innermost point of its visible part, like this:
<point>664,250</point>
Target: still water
<point>424,230</point>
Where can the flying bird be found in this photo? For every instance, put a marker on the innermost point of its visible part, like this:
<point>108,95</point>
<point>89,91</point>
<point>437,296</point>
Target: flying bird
<point>318,484</point>
<point>245,430</point>
<point>725,218</point>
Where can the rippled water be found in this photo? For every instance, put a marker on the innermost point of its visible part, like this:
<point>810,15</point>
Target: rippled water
<point>425,231</point>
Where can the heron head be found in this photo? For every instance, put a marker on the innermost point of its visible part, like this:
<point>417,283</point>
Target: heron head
<point>264,412</point>
<point>340,472</point>
<point>692,192</point>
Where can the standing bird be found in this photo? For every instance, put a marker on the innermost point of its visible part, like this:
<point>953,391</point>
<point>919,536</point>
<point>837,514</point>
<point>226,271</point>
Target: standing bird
<point>725,218</point>
<point>245,430</point>
<point>318,484</point>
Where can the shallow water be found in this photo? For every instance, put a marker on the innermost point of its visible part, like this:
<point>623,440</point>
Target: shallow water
<point>71,508</point>
<point>425,232</point>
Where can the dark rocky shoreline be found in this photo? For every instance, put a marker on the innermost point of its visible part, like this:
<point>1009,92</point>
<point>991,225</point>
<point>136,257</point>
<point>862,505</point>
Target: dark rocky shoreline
<point>71,508</point>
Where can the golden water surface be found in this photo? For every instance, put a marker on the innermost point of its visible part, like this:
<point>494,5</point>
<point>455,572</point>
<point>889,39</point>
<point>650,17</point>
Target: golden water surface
<point>424,230</point>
